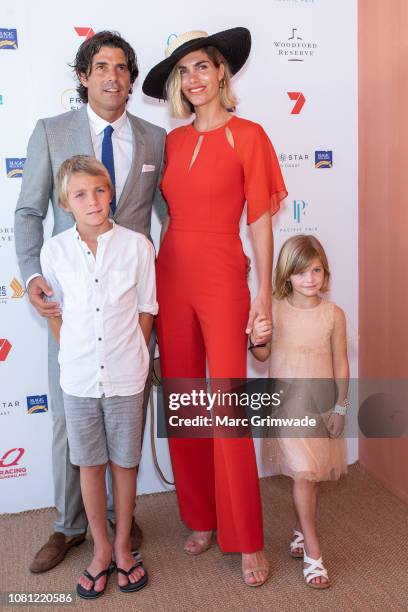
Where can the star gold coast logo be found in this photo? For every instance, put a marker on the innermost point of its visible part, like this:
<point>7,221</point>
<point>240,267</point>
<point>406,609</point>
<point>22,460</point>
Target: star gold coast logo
<point>16,293</point>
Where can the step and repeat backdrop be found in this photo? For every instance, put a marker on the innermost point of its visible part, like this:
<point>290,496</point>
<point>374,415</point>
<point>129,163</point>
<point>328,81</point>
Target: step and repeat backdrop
<point>300,83</point>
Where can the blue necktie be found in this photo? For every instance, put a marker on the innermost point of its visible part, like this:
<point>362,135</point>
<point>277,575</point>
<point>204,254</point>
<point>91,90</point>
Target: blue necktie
<point>107,159</point>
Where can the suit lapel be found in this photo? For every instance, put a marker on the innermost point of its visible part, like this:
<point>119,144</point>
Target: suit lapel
<point>139,146</point>
<point>80,133</point>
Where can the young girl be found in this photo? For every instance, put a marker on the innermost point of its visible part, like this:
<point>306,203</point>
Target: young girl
<point>308,344</point>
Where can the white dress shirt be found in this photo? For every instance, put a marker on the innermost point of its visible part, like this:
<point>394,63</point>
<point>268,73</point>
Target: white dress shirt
<point>122,144</point>
<point>102,348</point>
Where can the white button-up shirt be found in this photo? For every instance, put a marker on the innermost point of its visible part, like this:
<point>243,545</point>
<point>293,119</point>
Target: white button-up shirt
<point>122,144</point>
<point>102,348</point>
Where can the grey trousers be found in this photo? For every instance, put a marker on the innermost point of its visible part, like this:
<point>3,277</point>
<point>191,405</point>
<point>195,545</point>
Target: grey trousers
<point>71,518</point>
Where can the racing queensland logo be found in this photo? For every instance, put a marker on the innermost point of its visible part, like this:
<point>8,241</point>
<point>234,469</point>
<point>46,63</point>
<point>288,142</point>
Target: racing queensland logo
<point>15,167</point>
<point>10,464</point>
<point>8,38</point>
<point>323,159</point>
<point>37,403</point>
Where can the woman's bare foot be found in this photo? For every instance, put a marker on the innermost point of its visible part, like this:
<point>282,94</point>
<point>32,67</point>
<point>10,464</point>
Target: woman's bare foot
<point>125,560</point>
<point>101,560</point>
<point>198,542</point>
<point>298,551</point>
<point>255,568</point>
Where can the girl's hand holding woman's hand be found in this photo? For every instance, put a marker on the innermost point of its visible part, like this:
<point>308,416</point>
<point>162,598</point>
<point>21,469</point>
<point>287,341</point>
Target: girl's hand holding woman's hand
<point>262,330</point>
<point>260,307</point>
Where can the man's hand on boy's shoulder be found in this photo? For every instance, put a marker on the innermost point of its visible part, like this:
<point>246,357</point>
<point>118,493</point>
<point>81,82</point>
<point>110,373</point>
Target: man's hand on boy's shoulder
<point>38,290</point>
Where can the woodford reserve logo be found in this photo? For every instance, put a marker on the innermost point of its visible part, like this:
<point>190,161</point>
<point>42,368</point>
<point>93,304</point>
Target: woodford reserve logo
<point>295,48</point>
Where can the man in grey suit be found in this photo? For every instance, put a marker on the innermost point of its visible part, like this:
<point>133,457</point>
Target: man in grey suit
<point>133,151</point>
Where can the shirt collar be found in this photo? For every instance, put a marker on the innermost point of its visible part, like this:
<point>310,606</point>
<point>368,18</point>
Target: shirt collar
<point>101,237</point>
<point>98,124</point>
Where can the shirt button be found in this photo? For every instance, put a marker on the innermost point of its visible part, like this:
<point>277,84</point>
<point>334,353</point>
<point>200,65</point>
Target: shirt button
<point>99,339</point>
<point>98,309</point>
<point>102,367</point>
<point>89,252</point>
<point>96,280</point>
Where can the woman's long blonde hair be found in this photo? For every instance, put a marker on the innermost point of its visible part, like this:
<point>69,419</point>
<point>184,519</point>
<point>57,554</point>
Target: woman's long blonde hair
<point>294,257</point>
<point>180,107</point>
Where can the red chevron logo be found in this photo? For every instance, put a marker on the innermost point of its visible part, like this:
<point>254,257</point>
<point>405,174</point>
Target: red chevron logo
<point>87,32</point>
<point>300,100</point>
<point>5,348</point>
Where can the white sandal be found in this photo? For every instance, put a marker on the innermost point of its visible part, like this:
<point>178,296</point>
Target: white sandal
<point>298,541</point>
<point>315,569</point>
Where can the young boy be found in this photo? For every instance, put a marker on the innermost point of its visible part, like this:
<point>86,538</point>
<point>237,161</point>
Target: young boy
<point>103,276</point>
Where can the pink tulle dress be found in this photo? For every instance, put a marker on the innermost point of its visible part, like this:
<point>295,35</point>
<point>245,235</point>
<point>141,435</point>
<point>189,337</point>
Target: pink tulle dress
<point>301,361</point>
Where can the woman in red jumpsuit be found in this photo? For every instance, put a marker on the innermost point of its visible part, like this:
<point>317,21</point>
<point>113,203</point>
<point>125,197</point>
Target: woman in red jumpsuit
<point>213,166</point>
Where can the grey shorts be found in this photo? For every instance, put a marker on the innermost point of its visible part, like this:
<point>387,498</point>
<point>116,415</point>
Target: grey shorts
<point>104,428</point>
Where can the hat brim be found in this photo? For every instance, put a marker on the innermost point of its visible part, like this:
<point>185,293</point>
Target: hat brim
<point>234,44</point>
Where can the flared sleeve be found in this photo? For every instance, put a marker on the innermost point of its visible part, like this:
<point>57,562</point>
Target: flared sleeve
<point>263,181</point>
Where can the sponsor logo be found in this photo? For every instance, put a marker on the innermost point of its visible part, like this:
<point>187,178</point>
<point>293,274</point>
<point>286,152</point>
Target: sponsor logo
<point>10,464</point>
<point>70,100</point>
<point>6,407</point>
<point>295,48</point>
<point>87,32</point>
<point>6,235</point>
<point>299,99</point>
<point>170,38</point>
<point>1,100</point>
<point>17,291</point>
<point>299,212</point>
<point>5,348</point>
<point>293,160</point>
<point>37,403</point>
<point>8,38</point>
<point>15,166</point>
<point>323,159</point>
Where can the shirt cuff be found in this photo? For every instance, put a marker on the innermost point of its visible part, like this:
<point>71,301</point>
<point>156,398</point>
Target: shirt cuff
<point>30,278</point>
<point>152,309</point>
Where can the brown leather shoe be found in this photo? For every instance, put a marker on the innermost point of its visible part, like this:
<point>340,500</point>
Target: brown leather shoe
<point>54,551</point>
<point>136,534</point>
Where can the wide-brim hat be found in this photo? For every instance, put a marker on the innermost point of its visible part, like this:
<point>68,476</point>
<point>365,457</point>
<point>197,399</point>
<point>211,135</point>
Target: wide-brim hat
<point>234,44</point>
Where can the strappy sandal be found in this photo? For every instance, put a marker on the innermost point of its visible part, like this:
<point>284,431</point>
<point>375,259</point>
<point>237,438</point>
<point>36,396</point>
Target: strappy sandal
<point>132,587</point>
<point>91,593</point>
<point>315,569</point>
<point>249,572</point>
<point>298,541</point>
<point>201,545</point>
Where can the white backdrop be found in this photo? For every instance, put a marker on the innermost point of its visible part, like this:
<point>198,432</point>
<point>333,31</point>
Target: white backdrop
<point>304,51</point>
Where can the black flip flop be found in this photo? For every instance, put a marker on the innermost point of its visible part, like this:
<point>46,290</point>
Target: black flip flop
<point>91,593</point>
<point>132,587</point>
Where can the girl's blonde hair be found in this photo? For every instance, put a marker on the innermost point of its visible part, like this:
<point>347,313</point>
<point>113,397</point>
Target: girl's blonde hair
<point>85,164</point>
<point>294,257</point>
<point>180,107</point>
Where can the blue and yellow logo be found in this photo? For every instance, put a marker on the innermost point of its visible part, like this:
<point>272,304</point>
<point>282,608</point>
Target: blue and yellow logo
<point>8,38</point>
<point>323,159</point>
<point>15,167</point>
<point>37,403</point>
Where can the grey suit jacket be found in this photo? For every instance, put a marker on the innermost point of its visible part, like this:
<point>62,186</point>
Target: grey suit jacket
<point>53,141</point>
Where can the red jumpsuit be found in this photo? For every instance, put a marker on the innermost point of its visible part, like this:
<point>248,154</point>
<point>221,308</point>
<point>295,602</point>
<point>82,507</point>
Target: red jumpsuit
<point>204,303</point>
